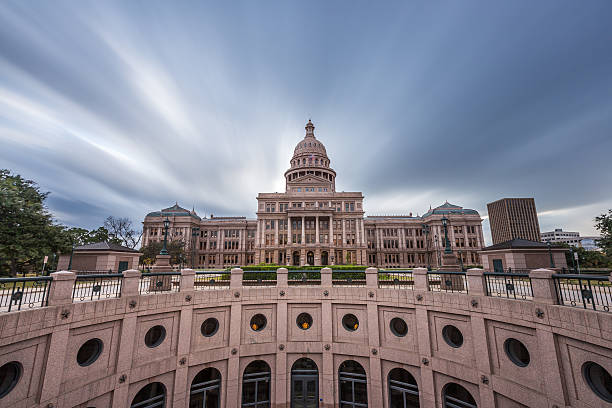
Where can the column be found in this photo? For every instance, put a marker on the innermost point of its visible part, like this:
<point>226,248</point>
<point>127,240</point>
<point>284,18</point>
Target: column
<point>303,230</point>
<point>288,230</point>
<point>343,231</point>
<point>276,232</point>
<point>331,233</point>
<point>317,229</point>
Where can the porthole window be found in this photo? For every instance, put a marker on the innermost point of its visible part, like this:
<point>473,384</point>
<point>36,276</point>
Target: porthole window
<point>398,327</point>
<point>10,373</point>
<point>89,352</point>
<point>304,321</point>
<point>155,336</point>
<point>517,352</point>
<point>598,379</point>
<point>452,336</point>
<point>209,327</point>
<point>258,322</point>
<point>350,322</point>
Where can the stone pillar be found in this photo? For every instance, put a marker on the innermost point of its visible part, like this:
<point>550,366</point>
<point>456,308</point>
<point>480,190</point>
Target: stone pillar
<point>282,277</point>
<point>56,352</point>
<point>420,279</point>
<point>187,280</point>
<point>343,234</point>
<point>477,284</point>
<point>372,278</point>
<point>289,231</point>
<point>60,292</point>
<point>236,278</point>
<point>326,279</point>
<point>129,285</point>
<point>317,229</point>
<point>276,232</point>
<point>543,286</point>
<point>303,230</point>
<point>331,233</point>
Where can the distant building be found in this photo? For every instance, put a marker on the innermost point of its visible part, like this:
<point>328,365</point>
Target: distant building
<point>558,235</point>
<point>590,243</point>
<point>100,257</point>
<point>521,255</point>
<point>513,218</point>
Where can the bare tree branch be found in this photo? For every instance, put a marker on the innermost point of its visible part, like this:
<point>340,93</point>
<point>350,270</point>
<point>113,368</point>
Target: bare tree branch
<point>122,229</point>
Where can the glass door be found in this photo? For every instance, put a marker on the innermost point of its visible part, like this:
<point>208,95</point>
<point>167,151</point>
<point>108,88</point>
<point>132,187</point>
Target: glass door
<point>304,391</point>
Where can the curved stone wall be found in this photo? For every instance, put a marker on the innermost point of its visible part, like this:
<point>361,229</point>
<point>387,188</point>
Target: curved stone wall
<point>559,340</point>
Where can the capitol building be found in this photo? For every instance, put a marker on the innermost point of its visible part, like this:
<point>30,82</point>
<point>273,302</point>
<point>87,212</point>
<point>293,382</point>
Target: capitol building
<point>313,224</point>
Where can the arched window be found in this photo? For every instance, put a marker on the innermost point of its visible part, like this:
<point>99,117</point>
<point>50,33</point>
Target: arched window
<point>256,385</point>
<point>353,385</point>
<point>455,396</point>
<point>206,389</point>
<point>403,389</point>
<point>304,384</point>
<point>150,396</point>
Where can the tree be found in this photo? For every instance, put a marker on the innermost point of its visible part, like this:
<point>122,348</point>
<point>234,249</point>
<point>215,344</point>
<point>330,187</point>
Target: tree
<point>604,225</point>
<point>81,236</point>
<point>176,250</point>
<point>122,230</point>
<point>27,231</point>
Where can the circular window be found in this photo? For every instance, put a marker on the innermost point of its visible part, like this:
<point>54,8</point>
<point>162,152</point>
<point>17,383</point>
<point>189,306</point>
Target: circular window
<point>452,336</point>
<point>10,373</point>
<point>155,336</point>
<point>599,379</point>
<point>350,322</point>
<point>89,352</point>
<point>517,352</point>
<point>209,327</point>
<point>258,322</point>
<point>398,327</point>
<point>304,321</point>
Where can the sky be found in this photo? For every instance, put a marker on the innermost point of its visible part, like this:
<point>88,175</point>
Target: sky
<point>122,108</point>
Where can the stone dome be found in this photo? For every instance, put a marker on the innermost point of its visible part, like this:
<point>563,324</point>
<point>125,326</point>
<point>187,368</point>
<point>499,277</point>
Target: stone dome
<point>310,145</point>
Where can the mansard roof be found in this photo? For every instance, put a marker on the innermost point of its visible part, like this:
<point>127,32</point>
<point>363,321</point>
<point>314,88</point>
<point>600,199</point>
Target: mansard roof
<point>104,246</point>
<point>517,243</point>
<point>448,208</point>
<point>174,211</point>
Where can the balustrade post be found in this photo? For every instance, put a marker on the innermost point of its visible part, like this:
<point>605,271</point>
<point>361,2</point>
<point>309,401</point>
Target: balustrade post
<point>326,277</point>
<point>371,277</point>
<point>476,280</point>
<point>420,279</point>
<point>543,286</point>
<point>282,277</point>
<point>61,289</point>
<point>129,285</point>
<point>236,278</point>
<point>187,279</point>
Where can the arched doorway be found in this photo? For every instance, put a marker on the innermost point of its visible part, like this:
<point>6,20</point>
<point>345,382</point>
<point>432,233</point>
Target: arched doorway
<point>455,396</point>
<point>256,385</point>
<point>353,385</point>
<point>310,258</point>
<point>150,396</point>
<point>403,389</point>
<point>296,258</point>
<point>206,389</point>
<point>324,258</point>
<point>304,384</point>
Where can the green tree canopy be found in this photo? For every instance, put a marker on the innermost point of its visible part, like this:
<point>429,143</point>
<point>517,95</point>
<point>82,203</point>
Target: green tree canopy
<point>176,250</point>
<point>604,225</point>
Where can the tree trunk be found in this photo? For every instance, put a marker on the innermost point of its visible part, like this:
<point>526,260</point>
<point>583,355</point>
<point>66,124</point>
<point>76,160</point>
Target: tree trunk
<point>13,268</point>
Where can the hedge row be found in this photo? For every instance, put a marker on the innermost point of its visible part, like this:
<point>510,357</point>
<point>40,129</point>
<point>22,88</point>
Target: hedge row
<point>268,267</point>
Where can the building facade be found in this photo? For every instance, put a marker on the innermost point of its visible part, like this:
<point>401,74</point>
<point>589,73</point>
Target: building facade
<point>558,235</point>
<point>313,224</point>
<point>513,218</point>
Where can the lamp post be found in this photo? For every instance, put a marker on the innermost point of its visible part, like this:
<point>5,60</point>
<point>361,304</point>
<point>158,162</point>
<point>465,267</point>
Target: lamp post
<point>425,229</point>
<point>164,250</point>
<point>461,260</point>
<point>436,243</point>
<point>573,260</point>
<point>552,263</point>
<point>447,247</point>
<point>194,233</point>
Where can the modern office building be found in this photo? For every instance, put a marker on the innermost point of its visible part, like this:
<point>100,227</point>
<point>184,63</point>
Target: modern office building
<point>513,218</point>
<point>312,223</point>
<point>558,235</point>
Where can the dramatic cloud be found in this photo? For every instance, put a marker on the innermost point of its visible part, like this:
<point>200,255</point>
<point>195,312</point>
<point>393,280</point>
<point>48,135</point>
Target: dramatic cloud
<point>125,107</point>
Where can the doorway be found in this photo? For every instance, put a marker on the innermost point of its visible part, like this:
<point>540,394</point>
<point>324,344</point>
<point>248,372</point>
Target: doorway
<point>324,258</point>
<point>310,258</point>
<point>296,258</point>
<point>304,384</point>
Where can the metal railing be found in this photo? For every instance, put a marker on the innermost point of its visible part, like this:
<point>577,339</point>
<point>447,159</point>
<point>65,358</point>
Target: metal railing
<point>587,291</point>
<point>512,270</point>
<point>304,278</point>
<point>16,293</point>
<point>159,282</point>
<point>510,285</point>
<point>92,272</point>
<point>259,278</point>
<point>211,280</point>
<point>396,279</point>
<point>441,281</point>
<point>348,278</point>
<point>95,287</point>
